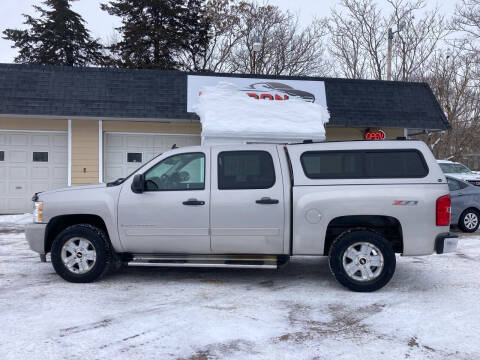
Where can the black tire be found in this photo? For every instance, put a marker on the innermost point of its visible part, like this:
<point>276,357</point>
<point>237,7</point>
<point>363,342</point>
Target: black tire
<point>98,242</point>
<point>465,225</point>
<point>348,240</point>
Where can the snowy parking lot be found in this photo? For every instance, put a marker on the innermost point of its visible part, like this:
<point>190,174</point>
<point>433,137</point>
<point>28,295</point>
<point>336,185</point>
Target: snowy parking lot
<point>430,309</point>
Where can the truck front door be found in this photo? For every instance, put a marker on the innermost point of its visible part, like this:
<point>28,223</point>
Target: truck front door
<point>172,215</point>
<point>247,201</point>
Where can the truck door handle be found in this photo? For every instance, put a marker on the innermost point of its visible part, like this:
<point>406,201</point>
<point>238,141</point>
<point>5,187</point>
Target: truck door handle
<point>267,200</point>
<point>193,202</point>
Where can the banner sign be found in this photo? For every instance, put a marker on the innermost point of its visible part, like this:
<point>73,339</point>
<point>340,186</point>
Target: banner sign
<point>260,89</point>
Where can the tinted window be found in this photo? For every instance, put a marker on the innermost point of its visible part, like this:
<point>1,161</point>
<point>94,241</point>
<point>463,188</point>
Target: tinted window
<point>40,156</point>
<point>245,170</point>
<point>364,164</point>
<point>2,155</point>
<point>395,164</point>
<point>332,165</point>
<point>463,185</point>
<point>453,185</point>
<point>177,172</point>
<point>134,157</point>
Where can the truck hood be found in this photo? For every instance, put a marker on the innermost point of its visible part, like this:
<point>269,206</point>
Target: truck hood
<point>72,188</point>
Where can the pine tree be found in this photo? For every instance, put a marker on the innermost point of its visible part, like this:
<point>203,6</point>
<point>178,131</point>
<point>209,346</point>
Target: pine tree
<point>196,26</point>
<point>159,34</point>
<point>57,37</point>
<point>151,32</point>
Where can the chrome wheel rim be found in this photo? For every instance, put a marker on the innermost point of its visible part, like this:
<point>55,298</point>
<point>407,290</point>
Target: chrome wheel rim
<point>470,221</point>
<point>78,255</point>
<point>363,261</point>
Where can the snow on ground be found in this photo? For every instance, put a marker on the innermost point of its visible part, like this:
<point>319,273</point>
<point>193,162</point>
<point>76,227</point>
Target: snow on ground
<point>430,310</point>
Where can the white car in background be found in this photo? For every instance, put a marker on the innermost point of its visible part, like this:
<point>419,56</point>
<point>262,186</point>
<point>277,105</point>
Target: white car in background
<point>459,171</point>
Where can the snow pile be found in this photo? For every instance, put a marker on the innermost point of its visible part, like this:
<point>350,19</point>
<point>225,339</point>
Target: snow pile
<point>7,221</point>
<point>228,114</point>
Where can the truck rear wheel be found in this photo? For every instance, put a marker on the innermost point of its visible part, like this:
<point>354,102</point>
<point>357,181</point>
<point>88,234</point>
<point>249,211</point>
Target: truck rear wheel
<point>362,260</point>
<point>81,253</point>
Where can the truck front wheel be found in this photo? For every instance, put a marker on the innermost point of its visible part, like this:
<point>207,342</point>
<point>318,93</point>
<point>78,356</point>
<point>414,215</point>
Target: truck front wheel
<point>362,260</point>
<point>81,253</point>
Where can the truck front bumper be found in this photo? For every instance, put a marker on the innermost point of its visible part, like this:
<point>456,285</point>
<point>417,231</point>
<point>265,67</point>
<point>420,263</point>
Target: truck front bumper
<point>35,235</point>
<point>445,243</point>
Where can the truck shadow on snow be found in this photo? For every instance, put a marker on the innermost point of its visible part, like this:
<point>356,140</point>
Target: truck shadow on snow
<point>308,272</point>
<point>311,269</point>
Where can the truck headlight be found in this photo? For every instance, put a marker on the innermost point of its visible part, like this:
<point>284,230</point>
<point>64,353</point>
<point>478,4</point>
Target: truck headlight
<point>38,211</point>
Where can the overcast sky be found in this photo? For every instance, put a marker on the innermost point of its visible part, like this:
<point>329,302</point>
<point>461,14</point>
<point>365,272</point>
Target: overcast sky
<point>101,24</point>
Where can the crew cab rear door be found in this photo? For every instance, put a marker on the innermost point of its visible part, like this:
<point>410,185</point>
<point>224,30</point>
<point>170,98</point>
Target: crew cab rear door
<point>247,200</point>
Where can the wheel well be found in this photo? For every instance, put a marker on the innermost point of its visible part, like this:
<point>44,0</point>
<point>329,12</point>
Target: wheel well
<point>59,223</point>
<point>387,226</point>
<point>472,208</point>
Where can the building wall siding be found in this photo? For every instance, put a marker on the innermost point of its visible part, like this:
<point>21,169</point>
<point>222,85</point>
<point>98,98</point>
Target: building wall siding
<point>152,127</point>
<point>85,142</point>
<point>84,152</point>
<point>345,133</point>
<point>9,123</point>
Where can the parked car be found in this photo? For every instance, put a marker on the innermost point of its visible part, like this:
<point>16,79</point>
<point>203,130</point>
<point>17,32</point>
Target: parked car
<point>459,171</point>
<point>254,206</point>
<point>465,204</point>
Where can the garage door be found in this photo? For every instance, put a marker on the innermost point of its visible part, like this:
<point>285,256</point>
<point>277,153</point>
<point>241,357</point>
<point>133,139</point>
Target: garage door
<point>123,153</point>
<point>30,162</point>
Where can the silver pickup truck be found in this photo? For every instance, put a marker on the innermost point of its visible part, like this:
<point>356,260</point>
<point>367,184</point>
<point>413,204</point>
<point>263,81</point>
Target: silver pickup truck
<point>254,206</point>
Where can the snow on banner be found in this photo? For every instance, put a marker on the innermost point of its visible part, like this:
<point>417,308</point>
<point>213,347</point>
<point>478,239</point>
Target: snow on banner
<point>229,113</point>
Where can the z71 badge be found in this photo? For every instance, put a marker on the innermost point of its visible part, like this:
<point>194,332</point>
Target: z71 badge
<point>405,202</point>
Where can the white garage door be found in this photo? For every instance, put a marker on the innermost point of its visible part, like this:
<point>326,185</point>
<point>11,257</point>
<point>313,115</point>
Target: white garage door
<point>123,153</point>
<point>30,162</point>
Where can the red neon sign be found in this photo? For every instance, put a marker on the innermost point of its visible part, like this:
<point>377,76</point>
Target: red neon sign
<point>375,135</point>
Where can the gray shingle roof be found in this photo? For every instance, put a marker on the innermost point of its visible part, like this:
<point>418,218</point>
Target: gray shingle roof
<point>153,94</point>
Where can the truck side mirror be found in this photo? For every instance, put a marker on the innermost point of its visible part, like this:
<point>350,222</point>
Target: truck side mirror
<point>138,184</point>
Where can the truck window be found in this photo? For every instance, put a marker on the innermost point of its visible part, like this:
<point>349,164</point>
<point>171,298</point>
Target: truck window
<point>177,172</point>
<point>364,164</point>
<point>245,170</point>
<point>333,164</point>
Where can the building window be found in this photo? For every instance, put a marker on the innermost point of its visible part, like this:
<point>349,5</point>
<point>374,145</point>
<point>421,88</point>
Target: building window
<point>134,157</point>
<point>40,156</point>
<point>245,170</point>
<point>2,155</point>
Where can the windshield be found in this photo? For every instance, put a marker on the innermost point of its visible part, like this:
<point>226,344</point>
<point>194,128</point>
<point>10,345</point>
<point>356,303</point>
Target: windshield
<point>455,168</point>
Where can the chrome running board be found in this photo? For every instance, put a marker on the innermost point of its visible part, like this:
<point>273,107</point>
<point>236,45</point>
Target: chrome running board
<point>217,261</point>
